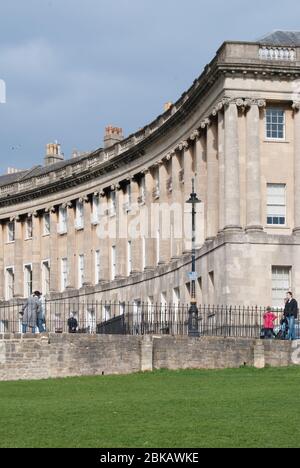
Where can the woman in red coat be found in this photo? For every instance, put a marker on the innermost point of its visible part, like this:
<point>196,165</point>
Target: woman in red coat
<point>269,319</point>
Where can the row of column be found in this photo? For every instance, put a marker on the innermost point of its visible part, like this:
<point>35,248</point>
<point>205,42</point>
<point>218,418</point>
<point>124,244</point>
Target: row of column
<point>213,159</point>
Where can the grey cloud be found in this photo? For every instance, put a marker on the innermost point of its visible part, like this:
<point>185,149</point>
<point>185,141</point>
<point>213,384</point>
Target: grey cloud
<point>73,66</point>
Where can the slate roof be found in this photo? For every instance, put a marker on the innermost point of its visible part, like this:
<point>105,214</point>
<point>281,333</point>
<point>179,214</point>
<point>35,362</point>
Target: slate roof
<point>284,38</point>
<point>37,171</point>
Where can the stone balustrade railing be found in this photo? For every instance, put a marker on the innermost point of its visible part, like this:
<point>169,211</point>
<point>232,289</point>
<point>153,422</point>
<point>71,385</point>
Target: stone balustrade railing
<point>277,53</point>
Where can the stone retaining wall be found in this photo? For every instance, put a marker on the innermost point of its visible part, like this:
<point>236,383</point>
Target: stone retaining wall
<point>51,356</point>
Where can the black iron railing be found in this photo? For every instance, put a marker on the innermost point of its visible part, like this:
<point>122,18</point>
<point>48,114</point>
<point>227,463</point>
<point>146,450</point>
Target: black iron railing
<point>137,318</point>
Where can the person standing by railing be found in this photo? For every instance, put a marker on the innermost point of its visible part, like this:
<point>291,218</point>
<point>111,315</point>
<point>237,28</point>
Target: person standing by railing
<point>291,313</point>
<point>41,315</point>
<point>269,323</point>
<point>30,312</point>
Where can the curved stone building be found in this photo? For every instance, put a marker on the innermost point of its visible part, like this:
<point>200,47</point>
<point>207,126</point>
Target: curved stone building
<point>114,224</point>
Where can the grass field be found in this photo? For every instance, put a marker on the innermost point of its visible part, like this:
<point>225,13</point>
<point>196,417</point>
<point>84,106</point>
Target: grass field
<point>190,409</point>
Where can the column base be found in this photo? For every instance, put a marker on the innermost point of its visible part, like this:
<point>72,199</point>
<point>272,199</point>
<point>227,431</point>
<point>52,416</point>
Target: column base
<point>149,268</point>
<point>296,231</point>
<point>233,228</point>
<point>254,228</point>
<point>210,239</point>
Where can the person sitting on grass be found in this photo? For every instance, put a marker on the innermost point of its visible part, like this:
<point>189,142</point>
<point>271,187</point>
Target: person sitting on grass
<point>269,319</point>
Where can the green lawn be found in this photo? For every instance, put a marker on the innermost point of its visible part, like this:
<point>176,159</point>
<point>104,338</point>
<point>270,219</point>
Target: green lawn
<point>191,409</point>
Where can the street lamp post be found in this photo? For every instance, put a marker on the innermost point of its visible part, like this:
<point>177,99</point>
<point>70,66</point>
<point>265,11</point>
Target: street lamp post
<point>193,329</point>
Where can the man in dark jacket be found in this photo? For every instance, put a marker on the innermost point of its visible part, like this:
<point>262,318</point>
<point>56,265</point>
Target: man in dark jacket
<point>291,313</point>
<point>72,324</point>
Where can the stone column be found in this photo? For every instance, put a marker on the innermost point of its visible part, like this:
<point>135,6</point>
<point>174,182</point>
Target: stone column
<point>188,170</point>
<point>201,187</point>
<point>19,272</point>
<point>232,167</point>
<point>103,243</point>
<point>122,235</point>
<point>253,166</point>
<point>88,250</point>
<point>54,260</point>
<point>176,215</point>
<point>212,181</point>
<point>164,216</point>
<point>72,253</point>
<point>36,253</point>
<point>2,275</point>
<point>149,230</point>
<point>296,107</point>
<point>221,149</point>
<point>135,235</point>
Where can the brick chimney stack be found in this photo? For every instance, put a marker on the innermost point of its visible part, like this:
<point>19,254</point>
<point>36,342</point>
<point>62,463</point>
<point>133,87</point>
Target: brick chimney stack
<point>53,153</point>
<point>112,136</point>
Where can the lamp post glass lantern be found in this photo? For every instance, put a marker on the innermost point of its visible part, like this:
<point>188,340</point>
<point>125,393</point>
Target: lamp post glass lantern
<point>193,329</point>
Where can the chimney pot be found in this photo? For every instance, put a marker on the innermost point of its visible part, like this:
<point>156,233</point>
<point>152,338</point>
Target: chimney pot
<point>112,135</point>
<point>53,153</point>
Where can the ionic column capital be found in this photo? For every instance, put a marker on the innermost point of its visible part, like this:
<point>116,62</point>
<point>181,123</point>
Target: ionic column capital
<point>296,106</point>
<point>183,145</point>
<point>195,135</point>
<point>205,123</point>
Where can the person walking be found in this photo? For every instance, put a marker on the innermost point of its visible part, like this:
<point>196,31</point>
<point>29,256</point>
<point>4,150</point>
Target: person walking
<point>41,316</point>
<point>291,313</point>
<point>269,319</point>
<point>30,312</point>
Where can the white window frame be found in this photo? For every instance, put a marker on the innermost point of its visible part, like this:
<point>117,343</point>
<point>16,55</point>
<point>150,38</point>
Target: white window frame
<point>143,188</point>
<point>97,266</point>
<point>91,321</point>
<point>28,228</point>
<point>96,209</point>
<point>129,257</point>
<point>4,325</point>
<point>9,296</point>
<point>274,138</point>
<point>113,262</point>
<point>150,309</point>
<point>62,220</point>
<point>113,203</point>
<point>143,240</point>
<point>45,290</point>
<point>129,196</point>
<point>27,292</point>
<point>64,273</point>
<point>285,289</point>
<point>81,270</point>
<point>46,230</point>
<point>106,312</point>
<point>11,233</point>
<point>157,247</point>
<point>276,207</point>
<point>122,308</point>
<point>79,215</point>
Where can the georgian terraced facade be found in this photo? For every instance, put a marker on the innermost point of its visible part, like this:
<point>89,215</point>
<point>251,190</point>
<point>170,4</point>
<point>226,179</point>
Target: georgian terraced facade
<point>114,223</point>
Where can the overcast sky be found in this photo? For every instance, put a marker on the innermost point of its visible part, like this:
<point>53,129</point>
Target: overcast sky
<point>73,66</point>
